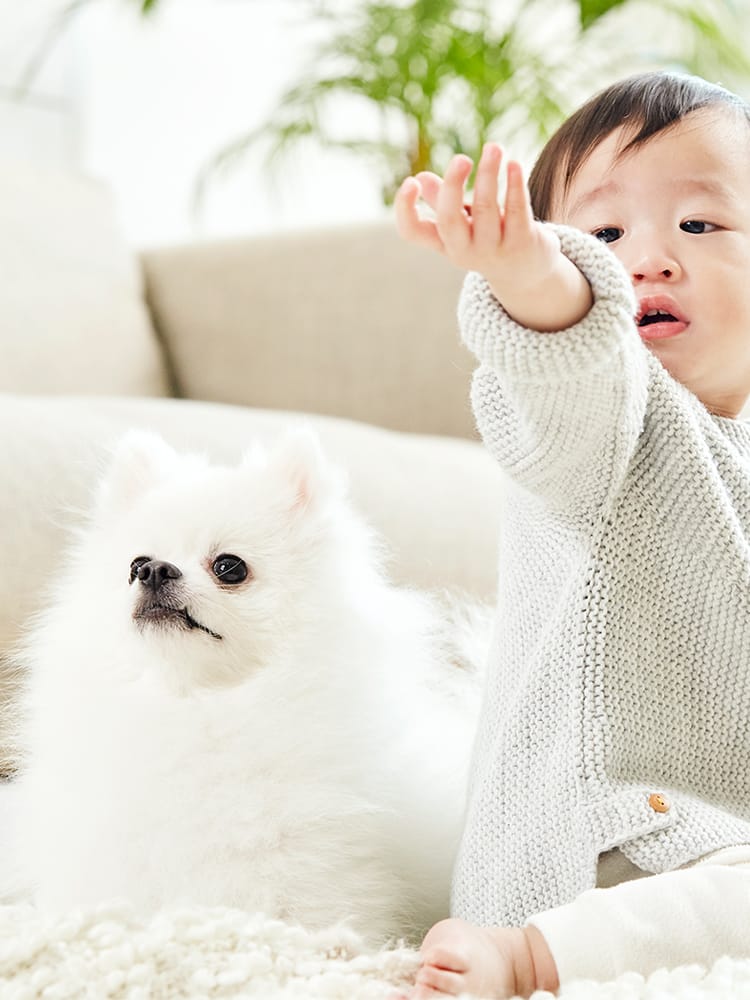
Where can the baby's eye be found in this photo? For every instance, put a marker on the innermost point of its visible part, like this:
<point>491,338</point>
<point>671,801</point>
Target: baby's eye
<point>697,226</point>
<point>609,234</point>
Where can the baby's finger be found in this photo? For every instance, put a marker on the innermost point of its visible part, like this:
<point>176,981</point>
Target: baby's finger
<point>485,208</point>
<point>430,184</point>
<point>408,224</point>
<point>452,221</point>
<point>518,217</point>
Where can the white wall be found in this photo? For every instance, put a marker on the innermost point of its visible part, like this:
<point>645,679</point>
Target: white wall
<point>143,103</point>
<point>42,126</point>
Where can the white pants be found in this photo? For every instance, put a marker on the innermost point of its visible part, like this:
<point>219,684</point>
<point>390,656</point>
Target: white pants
<point>634,921</point>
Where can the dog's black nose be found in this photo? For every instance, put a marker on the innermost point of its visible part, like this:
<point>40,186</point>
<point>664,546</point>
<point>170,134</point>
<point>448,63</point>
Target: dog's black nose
<point>155,573</point>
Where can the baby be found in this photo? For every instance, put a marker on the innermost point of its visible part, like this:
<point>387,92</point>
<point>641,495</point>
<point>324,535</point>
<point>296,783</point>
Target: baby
<point>608,821</point>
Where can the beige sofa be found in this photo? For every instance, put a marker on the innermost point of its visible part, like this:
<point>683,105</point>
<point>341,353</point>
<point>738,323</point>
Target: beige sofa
<point>214,344</point>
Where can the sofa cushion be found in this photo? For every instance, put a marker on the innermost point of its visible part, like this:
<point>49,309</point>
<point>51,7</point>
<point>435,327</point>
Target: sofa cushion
<point>348,321</point>
<point>71,311</point>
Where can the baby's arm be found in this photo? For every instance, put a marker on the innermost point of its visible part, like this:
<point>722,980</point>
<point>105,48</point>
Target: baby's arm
<point>561,413</point>
<point>694,915</point>
<point>538,286</point>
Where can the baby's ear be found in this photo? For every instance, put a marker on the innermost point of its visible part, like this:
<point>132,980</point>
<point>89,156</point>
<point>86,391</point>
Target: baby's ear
<point>298,459</point>
<point>139,460</point>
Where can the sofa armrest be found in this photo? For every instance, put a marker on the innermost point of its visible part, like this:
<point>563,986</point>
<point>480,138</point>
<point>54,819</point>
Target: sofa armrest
<point>348,322</point>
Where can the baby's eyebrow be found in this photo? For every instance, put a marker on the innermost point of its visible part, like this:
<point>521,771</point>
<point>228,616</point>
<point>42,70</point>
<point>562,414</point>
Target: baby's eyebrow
<point>600,191</point>
<point>702,185</point>
<point>685,185</point>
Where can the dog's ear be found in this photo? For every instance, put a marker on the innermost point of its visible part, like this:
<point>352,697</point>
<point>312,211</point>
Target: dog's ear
<point>298,459</point>
<point>138,461</point>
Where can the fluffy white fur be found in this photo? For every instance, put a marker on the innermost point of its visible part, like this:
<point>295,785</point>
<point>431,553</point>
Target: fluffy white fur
<point>310,763</point>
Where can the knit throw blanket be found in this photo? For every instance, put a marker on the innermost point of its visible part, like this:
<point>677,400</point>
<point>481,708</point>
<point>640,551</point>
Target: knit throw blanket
<point>199,952</point>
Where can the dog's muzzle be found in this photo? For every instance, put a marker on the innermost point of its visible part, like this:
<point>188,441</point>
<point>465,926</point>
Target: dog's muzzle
<point>158,602</point>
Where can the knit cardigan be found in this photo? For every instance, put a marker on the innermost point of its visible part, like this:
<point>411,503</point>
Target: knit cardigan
<point>617,705</point>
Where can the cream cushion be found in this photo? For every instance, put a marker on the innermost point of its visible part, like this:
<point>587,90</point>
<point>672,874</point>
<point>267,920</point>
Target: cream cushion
<point>72,315</point>
<point>349,321</point>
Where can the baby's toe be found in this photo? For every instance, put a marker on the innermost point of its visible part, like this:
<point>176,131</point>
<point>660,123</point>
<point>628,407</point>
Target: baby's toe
<point>449,956</point>
<point>445,957</point>
<point>440,980</point>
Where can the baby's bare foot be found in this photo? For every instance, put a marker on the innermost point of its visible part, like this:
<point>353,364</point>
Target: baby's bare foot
<point>458,957</point>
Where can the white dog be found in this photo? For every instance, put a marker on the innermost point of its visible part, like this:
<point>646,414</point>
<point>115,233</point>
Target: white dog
<point>228,704</point>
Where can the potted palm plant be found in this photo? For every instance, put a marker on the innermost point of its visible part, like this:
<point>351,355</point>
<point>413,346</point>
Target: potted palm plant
<point>443,76</point>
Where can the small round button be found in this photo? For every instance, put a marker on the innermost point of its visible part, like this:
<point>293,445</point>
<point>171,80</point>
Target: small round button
<point>658,803</point>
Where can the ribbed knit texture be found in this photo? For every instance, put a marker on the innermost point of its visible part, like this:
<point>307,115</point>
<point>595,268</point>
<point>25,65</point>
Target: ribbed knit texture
<point>620,665</point>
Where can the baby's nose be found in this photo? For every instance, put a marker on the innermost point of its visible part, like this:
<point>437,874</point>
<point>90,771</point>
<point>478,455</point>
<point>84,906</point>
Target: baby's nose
<point>655,268</point>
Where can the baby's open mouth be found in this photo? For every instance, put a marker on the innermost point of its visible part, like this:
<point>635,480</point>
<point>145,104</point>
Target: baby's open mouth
<point>659,316</point>
<point>656,316</point>
<point>163,613</point>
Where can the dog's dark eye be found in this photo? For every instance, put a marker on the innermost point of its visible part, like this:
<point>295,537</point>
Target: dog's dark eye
<point>230,569</point>
<point>136,565</point>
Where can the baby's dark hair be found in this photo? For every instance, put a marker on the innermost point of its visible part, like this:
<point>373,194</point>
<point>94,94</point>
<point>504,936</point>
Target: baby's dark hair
<point>650,102</point>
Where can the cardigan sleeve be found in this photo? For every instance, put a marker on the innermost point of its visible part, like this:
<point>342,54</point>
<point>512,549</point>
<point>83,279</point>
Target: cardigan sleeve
<point>561,412</point>
<point>692,915</point>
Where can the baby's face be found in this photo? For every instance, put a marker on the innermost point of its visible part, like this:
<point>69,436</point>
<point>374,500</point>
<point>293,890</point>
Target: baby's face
<point>676,211</point>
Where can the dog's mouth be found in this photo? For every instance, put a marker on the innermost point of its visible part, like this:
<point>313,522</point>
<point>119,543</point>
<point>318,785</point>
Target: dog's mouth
<point>163,614</point>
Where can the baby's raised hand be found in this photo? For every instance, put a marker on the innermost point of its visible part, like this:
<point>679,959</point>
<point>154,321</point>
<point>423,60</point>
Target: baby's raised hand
<point>483,238</point>
<point>519,256</point>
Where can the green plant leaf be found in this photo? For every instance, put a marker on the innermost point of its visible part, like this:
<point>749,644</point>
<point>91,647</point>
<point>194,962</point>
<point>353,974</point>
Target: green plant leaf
<point>592,10</point>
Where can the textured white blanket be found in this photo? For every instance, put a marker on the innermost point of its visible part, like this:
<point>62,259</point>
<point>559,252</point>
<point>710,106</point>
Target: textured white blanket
<point>108,952</point>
